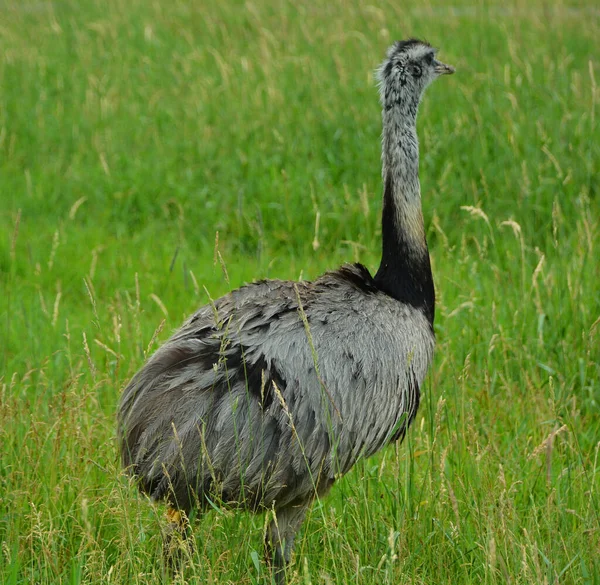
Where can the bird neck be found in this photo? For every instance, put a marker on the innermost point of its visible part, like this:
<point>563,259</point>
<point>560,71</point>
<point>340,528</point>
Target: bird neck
<point>405,269</point>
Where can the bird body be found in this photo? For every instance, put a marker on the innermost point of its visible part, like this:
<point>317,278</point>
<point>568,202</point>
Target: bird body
<point>276,361</point>
<point>263,398</point>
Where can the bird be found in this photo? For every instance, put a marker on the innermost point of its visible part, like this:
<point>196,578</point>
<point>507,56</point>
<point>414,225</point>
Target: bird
<point>266,396</point>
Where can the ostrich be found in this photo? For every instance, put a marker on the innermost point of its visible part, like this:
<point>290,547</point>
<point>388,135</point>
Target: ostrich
<point>263,398</point>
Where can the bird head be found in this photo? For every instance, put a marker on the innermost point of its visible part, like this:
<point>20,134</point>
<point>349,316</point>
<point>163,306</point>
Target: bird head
<point>410,66</point>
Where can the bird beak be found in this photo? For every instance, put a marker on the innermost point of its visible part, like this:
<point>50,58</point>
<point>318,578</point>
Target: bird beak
<point>443,69</point>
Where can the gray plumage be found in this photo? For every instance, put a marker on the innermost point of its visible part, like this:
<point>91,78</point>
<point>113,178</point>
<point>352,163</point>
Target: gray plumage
<point>264,398</point>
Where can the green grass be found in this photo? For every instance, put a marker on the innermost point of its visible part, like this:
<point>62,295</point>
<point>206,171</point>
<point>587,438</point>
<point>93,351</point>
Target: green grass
<point>131,132</point>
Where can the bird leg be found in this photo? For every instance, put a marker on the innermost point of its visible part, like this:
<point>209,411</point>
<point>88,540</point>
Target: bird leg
<point>279,539</point>
<point>177,545</point>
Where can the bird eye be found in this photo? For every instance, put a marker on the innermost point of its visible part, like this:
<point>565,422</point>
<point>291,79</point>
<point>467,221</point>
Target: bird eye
<point>417,71</point>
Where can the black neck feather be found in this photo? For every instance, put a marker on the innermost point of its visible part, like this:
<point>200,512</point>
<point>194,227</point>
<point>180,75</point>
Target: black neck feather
<point>405,269</point>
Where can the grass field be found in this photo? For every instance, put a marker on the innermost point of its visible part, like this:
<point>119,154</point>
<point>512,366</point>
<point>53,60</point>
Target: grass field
<point>133,132</point>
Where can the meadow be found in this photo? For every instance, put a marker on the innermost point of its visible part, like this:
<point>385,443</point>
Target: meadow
<point>155,154</point>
